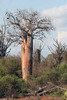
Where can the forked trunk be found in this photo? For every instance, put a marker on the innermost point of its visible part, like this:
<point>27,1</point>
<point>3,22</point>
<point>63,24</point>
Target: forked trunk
<point>27,57</point>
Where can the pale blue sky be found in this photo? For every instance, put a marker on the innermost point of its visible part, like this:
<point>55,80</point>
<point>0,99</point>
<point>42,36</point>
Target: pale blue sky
<point>40,5</point>
<point>54,8</point>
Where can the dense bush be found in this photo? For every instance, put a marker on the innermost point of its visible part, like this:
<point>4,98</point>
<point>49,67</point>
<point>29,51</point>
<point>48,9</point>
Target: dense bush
<point>58,92</point>
<point>52,76</point>
<point>3,69</point>
<point>42,80</point>
<point>11,83</point>
<point>64,78</point>
<point>12,86</point>
<point>65,95</point>
<point>62,68</point>
<point>11,65</point>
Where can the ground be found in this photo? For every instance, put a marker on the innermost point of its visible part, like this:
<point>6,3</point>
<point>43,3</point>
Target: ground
<point>39,98</point>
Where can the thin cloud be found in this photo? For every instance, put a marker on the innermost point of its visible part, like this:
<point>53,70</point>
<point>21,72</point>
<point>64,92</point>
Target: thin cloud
<point>62,36</point>
<point>58,16</point>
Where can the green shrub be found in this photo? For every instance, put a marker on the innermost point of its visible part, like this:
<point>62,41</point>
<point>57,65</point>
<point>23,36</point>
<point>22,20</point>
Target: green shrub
<point>65,95</point>
<point>41,80</point>
<point>53,76</point>
<point>11,65</point>
<point>62,68</point>
<point>58,92</point>
<point>12,85</point>
<point>3,70</point>
<point>64,75</point>
<point>64,78</point>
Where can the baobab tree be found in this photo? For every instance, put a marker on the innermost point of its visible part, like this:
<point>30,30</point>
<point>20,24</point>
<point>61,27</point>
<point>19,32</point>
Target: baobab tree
<point>24,26</point>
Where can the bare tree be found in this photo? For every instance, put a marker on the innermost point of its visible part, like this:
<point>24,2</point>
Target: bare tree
<point>25,26</point>
<point>59,51</point>
<point>5,41</point>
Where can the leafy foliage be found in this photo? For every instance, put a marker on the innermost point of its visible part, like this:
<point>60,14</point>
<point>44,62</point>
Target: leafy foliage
<point>64,78</point>
<point>11,84</point>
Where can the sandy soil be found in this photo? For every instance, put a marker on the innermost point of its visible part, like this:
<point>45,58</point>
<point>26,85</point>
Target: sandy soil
<point>40,98</point>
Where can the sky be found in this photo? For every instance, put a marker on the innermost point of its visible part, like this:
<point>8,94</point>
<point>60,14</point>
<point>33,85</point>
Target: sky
<point>55,9</point>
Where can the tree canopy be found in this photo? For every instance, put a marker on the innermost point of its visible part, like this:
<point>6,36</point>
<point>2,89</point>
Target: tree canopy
<point>28,23</point>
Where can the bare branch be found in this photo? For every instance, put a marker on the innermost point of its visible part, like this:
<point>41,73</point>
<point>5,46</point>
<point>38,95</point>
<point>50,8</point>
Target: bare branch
<point>25,21</point>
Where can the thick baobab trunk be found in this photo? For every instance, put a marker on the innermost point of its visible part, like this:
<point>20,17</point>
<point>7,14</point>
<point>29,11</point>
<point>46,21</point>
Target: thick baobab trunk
<point>27,55</point>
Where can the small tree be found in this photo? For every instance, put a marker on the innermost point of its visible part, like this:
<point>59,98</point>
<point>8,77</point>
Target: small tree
<point>59,51</point>
<point>5,41</point>
<point>25,26</point>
